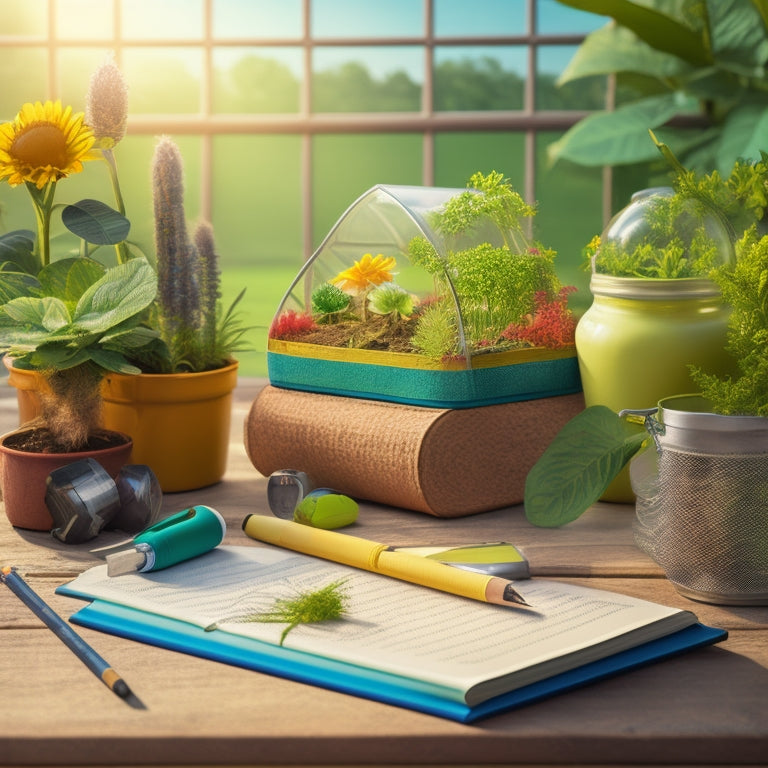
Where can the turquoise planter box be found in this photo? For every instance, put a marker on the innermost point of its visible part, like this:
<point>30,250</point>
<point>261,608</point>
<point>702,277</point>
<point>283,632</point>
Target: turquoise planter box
<point>536,373</point>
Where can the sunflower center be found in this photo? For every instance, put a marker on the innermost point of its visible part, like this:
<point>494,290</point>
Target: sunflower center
<point>41,145</point>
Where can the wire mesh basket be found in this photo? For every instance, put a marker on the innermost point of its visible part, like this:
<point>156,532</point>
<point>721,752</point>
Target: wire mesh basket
<point>702,501</point>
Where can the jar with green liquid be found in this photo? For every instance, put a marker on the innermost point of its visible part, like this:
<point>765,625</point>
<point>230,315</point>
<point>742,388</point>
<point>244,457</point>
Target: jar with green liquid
<point>637,342</point>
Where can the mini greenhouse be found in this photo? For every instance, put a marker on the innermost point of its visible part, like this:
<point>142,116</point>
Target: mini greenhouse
<point>431,296</point>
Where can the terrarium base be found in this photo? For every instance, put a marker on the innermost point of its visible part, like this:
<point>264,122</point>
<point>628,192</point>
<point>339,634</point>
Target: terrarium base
<point>444,462</point>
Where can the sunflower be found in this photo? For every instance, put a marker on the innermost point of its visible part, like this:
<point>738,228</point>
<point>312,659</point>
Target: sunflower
<point>43,144</point>
<point>363,274</point>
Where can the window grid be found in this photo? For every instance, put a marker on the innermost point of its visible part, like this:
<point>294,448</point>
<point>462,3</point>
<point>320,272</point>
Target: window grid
<point>308,124</point>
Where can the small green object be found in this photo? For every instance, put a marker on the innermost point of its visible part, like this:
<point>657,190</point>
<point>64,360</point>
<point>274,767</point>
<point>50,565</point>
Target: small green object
<point>325,509</point>
<point>579,464</point>
<point>326,604</point>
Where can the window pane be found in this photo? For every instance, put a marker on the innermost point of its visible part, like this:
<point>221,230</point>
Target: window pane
<point>346,166</point>
<point>84,19</point>
<point>256,18</point>
<point>585,93</point>
<point>256,80</point>
<point>170,19</point>
<point>569,200</point>
<point>459,155</point>
<point>482,78</point>
<point>27,18</point>
<point>76,66</point>
<point>455,18</point>
<point>256,188</point>
<point>163,80</point>
<point>351,18</point>
<point>23,75</point>
<point>552,18</point>
<point>355,79</point>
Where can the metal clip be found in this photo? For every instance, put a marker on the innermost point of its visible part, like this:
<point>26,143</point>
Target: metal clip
<point>645,416</point>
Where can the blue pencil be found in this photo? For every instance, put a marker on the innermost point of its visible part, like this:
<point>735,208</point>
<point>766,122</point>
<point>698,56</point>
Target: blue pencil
<point>64,632</point>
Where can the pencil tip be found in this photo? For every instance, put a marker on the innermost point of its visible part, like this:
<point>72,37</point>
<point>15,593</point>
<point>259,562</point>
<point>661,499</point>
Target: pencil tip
<point>511,595</point>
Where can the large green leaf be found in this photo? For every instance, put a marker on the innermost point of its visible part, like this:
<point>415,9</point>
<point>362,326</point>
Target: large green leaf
<point>614,49</point>
<point>123,291</point>
<point>68,279</point>
<point>744,134</point>
<point>17,248</point>
<point>654,25</point>
<point>45,313</point>
<point>738,34</point>
<point>579,464</point>
<point>615,138</point>
<point>16,284</point>
<point>95,222</point>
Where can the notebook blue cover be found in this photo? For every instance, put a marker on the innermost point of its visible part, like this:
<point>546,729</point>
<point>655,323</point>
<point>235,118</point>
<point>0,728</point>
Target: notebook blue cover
<point>360,681</point>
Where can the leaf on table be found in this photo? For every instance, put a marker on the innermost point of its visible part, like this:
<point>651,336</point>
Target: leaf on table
<point>578,466</point>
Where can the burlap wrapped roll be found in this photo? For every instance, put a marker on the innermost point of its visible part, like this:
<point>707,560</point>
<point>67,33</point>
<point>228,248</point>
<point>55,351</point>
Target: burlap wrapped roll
<point>445,462</point>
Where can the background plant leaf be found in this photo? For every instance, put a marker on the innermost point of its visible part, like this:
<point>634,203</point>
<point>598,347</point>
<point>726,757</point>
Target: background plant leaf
<point>95,222</point>
<point>579,464</point>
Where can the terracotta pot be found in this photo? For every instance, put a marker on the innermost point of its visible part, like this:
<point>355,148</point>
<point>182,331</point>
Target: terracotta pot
<point>23,476</point>
<point>179,422</point>
<point>28,385</point>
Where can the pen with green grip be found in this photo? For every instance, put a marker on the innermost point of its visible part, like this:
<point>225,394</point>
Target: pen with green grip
<point>182,536</point>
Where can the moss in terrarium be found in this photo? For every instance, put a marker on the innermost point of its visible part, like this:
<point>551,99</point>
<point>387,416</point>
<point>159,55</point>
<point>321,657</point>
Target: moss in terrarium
<point>498,203</point>
<point>436,333</point>
<point>392,301</point>
<point>677,241</point>
<point>329,302</point>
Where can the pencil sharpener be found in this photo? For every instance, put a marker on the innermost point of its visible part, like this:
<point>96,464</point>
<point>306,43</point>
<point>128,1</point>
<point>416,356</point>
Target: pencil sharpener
<point>285,490</point>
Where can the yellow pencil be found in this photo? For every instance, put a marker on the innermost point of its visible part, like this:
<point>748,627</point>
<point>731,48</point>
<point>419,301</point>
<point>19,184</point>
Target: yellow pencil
<point>380,558</point>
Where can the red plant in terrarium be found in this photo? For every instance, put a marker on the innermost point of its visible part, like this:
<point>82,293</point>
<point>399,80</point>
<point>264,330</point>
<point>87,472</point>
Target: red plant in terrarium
<point>552,324</point>
<point>291,325</point>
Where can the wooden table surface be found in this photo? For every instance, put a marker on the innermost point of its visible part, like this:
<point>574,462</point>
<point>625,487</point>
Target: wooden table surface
<point>709,706</point>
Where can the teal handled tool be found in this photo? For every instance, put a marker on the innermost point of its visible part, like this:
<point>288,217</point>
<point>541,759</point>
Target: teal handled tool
<point>180,537</point>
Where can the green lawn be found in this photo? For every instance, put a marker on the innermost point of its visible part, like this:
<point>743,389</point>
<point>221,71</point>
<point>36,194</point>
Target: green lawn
<point>265,286</point>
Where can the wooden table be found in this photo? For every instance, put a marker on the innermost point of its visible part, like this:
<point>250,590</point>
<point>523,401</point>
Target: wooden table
<point>707,707</point>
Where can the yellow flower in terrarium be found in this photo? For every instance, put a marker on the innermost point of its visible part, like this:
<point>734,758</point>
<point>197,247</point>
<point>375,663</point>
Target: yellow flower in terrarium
<point>365,273</point>
<point>44,143</point>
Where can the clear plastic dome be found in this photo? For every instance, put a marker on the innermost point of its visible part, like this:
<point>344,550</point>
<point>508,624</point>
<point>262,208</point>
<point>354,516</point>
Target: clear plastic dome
<point>664,234</point>
<point>429,278</point>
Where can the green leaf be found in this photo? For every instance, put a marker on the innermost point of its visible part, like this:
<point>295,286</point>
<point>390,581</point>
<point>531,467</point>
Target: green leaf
<point>615,138</point>
<point>616,49</point>
<point>579,464</point>
<point>657,28</point>
<point>18,249</point>
<point>123,291</point>
<point>68,279</point>
<point>95,222</point>
<point>16,284</point>
<point>744,135</point>
<point>47,313</point>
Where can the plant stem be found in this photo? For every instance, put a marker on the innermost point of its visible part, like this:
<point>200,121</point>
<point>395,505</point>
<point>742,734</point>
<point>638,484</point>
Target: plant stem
<point>42,202</point>
<point>109,159</point>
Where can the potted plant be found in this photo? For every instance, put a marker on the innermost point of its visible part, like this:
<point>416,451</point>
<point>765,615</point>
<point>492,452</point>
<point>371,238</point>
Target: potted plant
<point>452,305</point>
<point>700,468</point>
<point>71,319</point>
<point>671,60</point>
<point>190,341</point>
<point>656,310</point>
<point>178,410</point>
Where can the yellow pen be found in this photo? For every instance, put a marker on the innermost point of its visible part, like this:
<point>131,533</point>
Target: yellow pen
<point>380,558</point>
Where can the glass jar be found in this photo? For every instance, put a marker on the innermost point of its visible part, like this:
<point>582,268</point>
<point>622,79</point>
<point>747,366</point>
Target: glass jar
<point>638,340</point>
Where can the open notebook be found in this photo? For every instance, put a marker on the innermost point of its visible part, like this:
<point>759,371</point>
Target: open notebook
<point>398,643</point>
